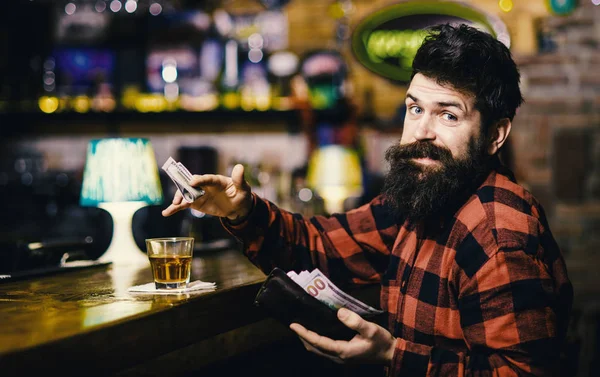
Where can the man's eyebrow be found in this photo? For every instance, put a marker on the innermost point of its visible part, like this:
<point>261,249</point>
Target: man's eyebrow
<point>458,105</point>
<point>451,104</point>
<point>408,95</point>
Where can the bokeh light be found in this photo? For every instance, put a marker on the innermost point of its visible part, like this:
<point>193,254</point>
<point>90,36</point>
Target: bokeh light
<point>100,6</point>
<point>169,70</point>
<point>48,104</point>
<point>115,6</point>
<point>70,8</point>
<point>255,55</point>
<point>155,9</point>
<point>130,6</point>
<point>506,5</point>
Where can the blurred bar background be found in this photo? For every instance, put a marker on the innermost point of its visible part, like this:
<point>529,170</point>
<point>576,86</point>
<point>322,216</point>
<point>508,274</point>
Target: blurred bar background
<point>267,83</point>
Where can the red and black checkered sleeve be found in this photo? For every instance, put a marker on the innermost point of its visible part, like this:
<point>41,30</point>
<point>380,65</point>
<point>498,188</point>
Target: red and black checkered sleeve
<point>352,247</point>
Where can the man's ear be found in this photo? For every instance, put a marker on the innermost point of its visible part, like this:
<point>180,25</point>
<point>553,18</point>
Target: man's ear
<point>498,134</point>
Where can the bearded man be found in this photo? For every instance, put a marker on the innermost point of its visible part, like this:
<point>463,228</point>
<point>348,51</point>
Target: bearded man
<point>472,280</point>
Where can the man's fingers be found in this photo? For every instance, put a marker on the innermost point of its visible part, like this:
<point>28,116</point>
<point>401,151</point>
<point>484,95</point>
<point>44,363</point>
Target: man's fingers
<point>174,208</point>
<point>309,347</point>
<point>323,343</point>
<point>237,175</point>
<point>298,329</point>
<point>177,198</point>
<point>170,210</point>
<point>176,205</point>
<point>353,321</point>
<point>206,180</point>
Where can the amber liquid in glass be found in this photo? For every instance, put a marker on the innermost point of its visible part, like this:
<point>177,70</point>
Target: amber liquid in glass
<point>171,271</point>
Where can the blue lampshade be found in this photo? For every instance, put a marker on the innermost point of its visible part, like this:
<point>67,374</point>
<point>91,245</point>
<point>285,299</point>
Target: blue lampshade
<point>120,170</point>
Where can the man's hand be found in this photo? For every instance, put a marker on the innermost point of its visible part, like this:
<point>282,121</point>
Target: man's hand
<point>224,196</point>
<point>373,344</point>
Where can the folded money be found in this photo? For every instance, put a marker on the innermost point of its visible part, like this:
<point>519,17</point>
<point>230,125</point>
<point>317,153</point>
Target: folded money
<point>320,287</point>
<point>181,176</point>
<point>283,299</point>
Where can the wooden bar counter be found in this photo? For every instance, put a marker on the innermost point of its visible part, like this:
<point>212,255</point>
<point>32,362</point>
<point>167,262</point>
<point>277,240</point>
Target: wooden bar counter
<point>85,323</point>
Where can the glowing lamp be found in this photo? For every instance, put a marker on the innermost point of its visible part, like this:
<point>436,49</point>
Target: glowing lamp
<point>335,173</point>
<point>121,176</point>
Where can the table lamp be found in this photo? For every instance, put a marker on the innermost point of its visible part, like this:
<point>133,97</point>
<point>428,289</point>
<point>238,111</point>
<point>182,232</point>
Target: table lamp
<point>121,176</point>
<point>335,173</point>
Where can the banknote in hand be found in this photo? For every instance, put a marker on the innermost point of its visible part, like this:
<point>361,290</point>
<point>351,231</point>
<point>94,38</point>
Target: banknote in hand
<point>181,176</point>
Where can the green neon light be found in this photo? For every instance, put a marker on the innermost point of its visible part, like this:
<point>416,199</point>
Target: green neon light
<point>389,53</point>
<point>399,44</point>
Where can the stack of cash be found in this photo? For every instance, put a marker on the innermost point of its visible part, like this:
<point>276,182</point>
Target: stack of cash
<point>182,177</point>
<point>320,287</point>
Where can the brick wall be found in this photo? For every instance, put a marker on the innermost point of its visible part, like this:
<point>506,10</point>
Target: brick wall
<point>556,134</point>
<point>556,147</point>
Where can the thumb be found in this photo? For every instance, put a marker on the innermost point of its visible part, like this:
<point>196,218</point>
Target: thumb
<point>237,175</point>
<point>352,320</point>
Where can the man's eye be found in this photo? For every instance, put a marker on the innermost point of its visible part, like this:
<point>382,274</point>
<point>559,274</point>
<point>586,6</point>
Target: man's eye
<point>450,117</point>
<point>415,110</point>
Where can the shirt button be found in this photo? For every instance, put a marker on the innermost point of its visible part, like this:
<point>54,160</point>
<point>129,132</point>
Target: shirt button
<point>403,284</point>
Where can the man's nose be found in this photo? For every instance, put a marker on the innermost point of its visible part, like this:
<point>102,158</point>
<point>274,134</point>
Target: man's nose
<point>425,129</point>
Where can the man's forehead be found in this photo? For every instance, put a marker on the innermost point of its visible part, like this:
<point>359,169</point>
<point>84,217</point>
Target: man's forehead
<point>429,90</point>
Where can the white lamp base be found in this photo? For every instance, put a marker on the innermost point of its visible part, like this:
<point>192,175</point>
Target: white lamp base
<point>123,250</point>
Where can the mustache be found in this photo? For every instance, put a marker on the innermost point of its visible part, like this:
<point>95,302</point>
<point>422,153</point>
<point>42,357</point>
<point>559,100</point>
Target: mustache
<point>418,149</point>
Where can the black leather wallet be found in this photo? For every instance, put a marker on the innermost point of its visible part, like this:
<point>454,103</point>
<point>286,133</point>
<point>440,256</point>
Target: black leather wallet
<point>287,302</point>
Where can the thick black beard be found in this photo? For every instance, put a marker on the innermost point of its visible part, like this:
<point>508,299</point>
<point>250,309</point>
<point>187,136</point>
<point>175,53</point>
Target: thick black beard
<point>417,192</point>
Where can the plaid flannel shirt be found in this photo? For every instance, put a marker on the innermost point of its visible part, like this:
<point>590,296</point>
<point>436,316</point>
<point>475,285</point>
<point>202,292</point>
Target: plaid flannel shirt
<point>486,293</point>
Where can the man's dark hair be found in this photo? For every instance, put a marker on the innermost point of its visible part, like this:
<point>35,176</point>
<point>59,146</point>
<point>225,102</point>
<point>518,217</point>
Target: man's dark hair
<point>474,61</point>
